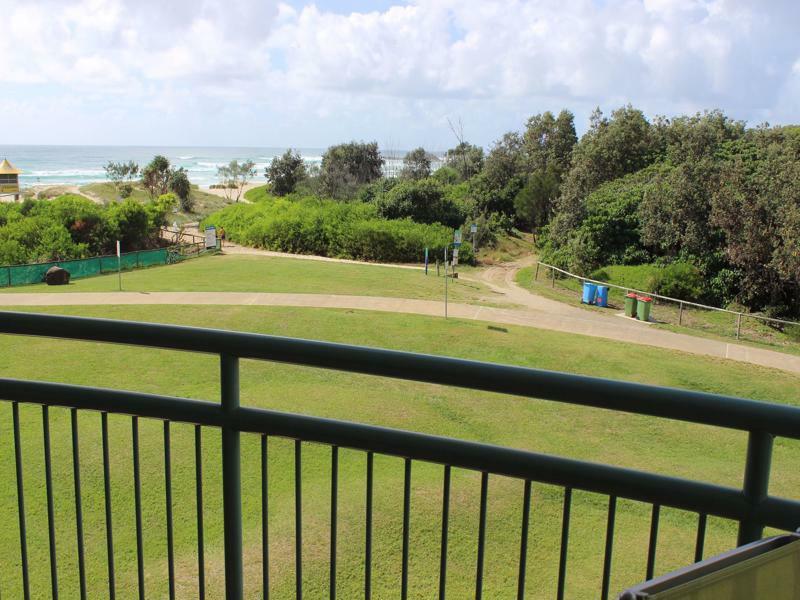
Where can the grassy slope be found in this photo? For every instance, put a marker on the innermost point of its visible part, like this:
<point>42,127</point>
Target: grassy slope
<point>205,203</point>
<point>706,323</point>
<point>507,248</point>
<point>659,445</point>
<point>267,274</point>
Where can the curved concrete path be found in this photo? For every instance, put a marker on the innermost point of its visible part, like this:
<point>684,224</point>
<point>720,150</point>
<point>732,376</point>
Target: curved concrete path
<point>560,317</point>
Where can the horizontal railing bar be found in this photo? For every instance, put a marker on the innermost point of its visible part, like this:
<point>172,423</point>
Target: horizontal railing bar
<point>521,464</point>
<point>588,476</point>
<point>200,412</point>
<point>696,407</point>
<point>668,298</point>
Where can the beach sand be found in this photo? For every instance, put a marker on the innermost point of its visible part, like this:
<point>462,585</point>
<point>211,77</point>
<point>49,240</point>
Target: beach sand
<point>221,192</point>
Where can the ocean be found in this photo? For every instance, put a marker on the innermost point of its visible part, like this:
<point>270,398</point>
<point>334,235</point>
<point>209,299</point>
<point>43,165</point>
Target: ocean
<point>79,165</point>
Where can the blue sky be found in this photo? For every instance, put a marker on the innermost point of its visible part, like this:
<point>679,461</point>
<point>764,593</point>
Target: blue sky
<point>269,73</point>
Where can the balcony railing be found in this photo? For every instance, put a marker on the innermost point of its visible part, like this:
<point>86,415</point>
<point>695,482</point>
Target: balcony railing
<point>751,506</point>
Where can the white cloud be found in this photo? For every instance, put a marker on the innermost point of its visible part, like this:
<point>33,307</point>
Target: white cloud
<point>282,68</point>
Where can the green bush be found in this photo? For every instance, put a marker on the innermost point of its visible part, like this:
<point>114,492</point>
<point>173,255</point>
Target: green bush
<point>422,201</point>
<point>679,280</point>
<point>72,226</point>
<point>335,229</point>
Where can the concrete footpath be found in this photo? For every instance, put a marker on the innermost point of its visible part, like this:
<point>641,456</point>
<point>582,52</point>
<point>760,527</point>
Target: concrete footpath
<point>539,313</point>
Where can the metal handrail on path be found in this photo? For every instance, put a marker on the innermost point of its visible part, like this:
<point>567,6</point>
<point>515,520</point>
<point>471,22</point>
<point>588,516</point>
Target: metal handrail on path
<point>681,303</point>
<point>751,505</point>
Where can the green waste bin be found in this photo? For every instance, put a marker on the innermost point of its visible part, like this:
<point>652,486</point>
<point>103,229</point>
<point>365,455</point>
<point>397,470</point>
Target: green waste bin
<point>643,307</point>
<point>630,305</point>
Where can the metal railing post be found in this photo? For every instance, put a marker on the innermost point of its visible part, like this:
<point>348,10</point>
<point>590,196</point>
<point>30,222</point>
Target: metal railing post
<point>553,271</point>
<point>738,324</point>
<point>680,314</point>
<point>536,277</point>
<point>756,484</point>
<point>231,478</point>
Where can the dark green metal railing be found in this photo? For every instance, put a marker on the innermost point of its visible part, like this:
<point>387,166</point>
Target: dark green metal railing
<point>751,506</point>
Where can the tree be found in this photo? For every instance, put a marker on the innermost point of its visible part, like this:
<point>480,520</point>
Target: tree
<point>506,161</point>
<point>416,165</point>
<point>611,148</point>
<point>676,207</point>
<point>285,172</point>
<point>122,176</point>
<point>465,158</point>
<point>156,176</point>
<point>180,186</point>
<point>549,141</point>
<point>756,206</point>
<point>422,201</point>
<point>234,177</point>
<point>346,167</point>
<point>534,203</point>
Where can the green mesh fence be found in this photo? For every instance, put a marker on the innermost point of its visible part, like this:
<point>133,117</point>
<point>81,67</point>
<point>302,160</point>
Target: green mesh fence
<point>87,267</point>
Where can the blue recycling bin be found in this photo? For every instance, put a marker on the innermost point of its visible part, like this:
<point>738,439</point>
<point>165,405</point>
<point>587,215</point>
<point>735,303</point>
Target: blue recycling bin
<point>602,296</point>
<point>589,290</point>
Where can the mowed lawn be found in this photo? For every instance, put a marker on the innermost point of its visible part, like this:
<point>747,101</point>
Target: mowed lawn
<point>654,444</point>
<point>233,273</point>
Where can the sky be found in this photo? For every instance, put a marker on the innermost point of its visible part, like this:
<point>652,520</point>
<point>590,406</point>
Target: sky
<point>302,74</point>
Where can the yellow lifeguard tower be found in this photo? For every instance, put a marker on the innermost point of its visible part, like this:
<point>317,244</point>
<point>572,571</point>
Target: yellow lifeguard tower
<point>9,179</point>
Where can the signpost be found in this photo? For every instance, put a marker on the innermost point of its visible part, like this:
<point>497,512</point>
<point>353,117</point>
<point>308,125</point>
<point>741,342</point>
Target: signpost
<point>445,282</point>
<point>473,229</point>
<point>211,237</point>
<point>119,266</point>
<point>456,244</point>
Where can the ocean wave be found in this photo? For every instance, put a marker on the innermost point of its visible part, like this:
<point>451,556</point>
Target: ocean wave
<point>66,173</point>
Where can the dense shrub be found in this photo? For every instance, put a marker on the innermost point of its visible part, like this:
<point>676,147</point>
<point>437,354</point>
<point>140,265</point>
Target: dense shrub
<point>71,226</point>
<point>608,233</point>
<point>421,201</point>
<point>678,280</point>
<point>327,228</point>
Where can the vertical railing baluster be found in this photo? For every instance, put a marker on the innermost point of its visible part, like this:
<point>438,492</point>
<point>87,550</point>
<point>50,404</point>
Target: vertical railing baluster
<point>562,559</point>
<point>445,528</point>
<point>51,519</point>
<point>76,476</point>
<point>756,484</point>
<point>264,517</point>
<point>406,527</point>
<point>701,537</point>
<point>298,520</point>
<point>168,500</point>
<point>231,478</point>
<point>368,533</point>
<point>112,589</point>
<point>612,512</point>
<point>481,536</point>
<point>137,501</point>
<point>334,511</point>
<point>198,472</point>
<point>23,536</point>
<point>651,549</point>
<point>523,543</point>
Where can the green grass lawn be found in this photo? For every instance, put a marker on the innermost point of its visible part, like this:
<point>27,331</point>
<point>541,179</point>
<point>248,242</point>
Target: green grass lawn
<point>232,273</point>
<point>695,321</point>
<point>655,444</point>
